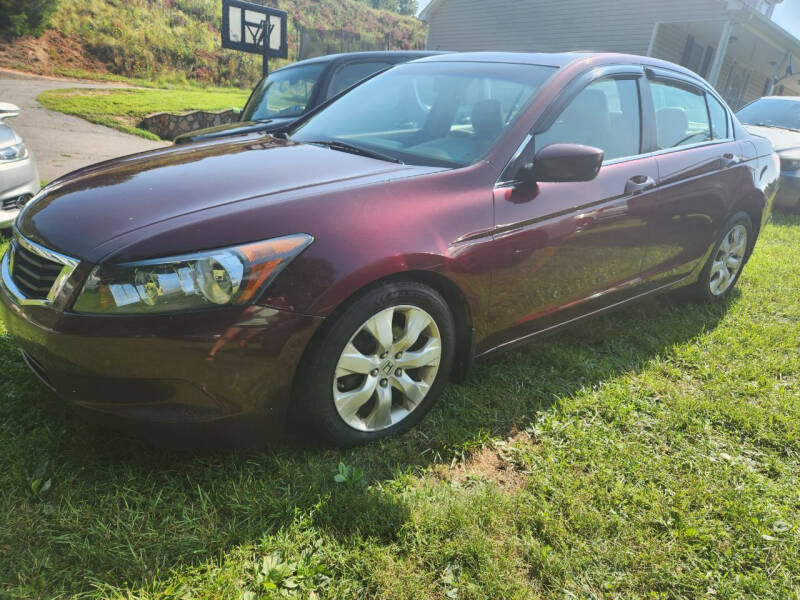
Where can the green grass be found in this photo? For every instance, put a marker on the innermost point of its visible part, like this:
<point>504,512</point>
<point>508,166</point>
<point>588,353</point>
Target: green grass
<point>653,453</point>
<point>166,81</point>
<point>124,109</point>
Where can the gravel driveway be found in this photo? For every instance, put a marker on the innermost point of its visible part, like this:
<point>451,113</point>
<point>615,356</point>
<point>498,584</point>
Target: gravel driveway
<point>62,143</point>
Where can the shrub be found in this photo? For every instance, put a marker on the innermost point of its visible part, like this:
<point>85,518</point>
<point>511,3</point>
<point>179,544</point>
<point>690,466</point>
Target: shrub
<point>23,17</point>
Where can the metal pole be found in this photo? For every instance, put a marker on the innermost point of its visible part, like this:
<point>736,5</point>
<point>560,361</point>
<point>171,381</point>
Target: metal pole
<point>719,55</point>
<point>265,61</point>
<point>652,45</point>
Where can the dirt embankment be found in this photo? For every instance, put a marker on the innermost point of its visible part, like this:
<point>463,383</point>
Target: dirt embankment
<point>50,54</point>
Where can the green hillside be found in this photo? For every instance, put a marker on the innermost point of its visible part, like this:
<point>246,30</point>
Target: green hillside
<point>179,39</point>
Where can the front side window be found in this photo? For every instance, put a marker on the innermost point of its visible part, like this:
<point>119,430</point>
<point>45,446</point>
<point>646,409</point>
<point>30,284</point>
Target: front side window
<point>351,74</point>
<point>436,113</point>
<point>284,93</point>
<point>605,115</point>
<point>681,115</point>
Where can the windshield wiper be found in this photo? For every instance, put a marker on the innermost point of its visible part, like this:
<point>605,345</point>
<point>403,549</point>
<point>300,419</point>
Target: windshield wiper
<point>345,147</point>
<point>773,126</point>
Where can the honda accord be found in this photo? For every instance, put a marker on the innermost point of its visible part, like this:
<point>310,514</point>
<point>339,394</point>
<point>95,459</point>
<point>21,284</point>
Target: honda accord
<point>339,275</point>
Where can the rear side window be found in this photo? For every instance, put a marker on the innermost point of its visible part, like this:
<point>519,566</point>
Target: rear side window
<point>719,118</point>
<point>681,115</point>
<point>353,73</point>
<point>605,115</point>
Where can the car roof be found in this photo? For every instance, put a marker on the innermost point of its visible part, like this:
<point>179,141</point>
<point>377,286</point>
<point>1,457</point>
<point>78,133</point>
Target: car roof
<point>561,59</point>
<point>548,59</point>
<point>373,55</point>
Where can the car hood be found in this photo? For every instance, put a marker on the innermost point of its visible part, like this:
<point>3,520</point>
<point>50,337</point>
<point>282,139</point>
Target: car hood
<point>237,128</point>
<point>81,213</point>
<point>782,139</point>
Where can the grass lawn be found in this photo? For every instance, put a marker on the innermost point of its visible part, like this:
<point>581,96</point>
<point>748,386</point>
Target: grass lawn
<point>653,453</point>
<point>123,109</point>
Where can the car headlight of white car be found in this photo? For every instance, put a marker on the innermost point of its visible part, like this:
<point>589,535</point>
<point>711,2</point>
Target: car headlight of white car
<point>790,161</point>
<point>14,152</point>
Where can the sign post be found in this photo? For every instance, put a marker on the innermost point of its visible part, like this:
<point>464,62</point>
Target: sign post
<point>254,28</point>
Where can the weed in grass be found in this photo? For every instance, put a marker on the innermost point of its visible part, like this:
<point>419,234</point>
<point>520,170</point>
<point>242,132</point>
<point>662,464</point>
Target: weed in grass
<point>657,452</point>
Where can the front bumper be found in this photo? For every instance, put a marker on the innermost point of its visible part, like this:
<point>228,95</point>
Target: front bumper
<point>213,378</point>
<point>788,190</point>
<point>17,178</point>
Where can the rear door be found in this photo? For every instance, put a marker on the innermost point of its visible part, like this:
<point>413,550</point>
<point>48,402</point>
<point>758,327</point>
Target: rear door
<point>701,169</point>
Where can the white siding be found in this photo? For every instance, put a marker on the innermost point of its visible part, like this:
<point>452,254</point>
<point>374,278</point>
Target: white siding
<point>541,26</point>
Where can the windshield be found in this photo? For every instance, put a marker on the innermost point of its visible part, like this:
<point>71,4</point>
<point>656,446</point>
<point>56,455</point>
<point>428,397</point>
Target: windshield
<point>436,114</point>
<point>284,93</point>
<point>772,112</point>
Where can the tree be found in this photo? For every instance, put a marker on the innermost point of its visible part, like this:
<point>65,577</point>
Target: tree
<point>407,7</point>
<point>404,7</point>
<point>22,17</point>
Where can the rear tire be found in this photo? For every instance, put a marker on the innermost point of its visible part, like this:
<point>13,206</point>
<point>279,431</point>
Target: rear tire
<point>724,267</point>
<point>378,366</point>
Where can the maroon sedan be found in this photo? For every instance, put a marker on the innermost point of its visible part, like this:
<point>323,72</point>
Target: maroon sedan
<point>440,211</point>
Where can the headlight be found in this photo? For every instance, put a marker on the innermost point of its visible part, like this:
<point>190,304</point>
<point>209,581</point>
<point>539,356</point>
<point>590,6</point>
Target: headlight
<point>790,163</point>
<point>200,280</point>
<point>15,152</point>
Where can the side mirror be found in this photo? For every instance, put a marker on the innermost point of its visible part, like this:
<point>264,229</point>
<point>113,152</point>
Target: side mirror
<point>8,111</point>
<point>565,162</point>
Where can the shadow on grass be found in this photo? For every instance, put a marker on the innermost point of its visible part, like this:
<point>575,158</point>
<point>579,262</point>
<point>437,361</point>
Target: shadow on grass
<point>119,511</point>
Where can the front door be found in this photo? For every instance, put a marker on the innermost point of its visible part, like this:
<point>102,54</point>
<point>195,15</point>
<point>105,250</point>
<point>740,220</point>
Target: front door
<point>568,249</point>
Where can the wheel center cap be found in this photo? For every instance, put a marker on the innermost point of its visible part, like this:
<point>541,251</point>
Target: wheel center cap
<point>387,367</point>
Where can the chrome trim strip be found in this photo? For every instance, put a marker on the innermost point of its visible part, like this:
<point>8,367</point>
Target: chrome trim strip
<point>7,268</point>
<point>44,252</point>
<point>36,372</point>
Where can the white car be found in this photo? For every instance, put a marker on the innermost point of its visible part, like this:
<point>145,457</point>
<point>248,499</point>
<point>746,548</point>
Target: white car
<point>19,177</point>
<point>777,118</point>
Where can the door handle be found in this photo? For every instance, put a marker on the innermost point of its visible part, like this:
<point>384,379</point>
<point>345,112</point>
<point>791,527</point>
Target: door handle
<point>729,159</point>
<point>639,183</point>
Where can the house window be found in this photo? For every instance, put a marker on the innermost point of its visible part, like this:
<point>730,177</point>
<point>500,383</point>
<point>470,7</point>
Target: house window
<point>696,57</point>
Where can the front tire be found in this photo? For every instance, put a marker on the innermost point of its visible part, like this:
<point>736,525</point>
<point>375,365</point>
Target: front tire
<point>724,266</point>
<point>379,365</point>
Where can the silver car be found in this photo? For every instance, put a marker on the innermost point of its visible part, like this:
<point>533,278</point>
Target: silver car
<point>19,177</point>
<point>777,118</point>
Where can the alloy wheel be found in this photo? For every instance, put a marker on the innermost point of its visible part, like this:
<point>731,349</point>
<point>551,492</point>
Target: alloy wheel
<point>728,260</point>
<point>387,368</point>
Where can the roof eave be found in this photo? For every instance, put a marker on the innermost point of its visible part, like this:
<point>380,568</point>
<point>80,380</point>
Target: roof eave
<point>431,8</point>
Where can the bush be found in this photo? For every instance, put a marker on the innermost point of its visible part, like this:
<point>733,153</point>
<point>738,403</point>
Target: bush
<point>23,17</point>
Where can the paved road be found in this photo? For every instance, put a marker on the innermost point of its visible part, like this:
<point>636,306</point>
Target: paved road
<point>62,143</point>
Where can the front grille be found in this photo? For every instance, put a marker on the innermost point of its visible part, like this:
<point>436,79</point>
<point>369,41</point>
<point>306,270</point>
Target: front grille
<point>16,202</point>
<point>34,275</point>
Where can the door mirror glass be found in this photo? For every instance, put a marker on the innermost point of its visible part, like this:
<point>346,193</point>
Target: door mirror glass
<point>565,162</point>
